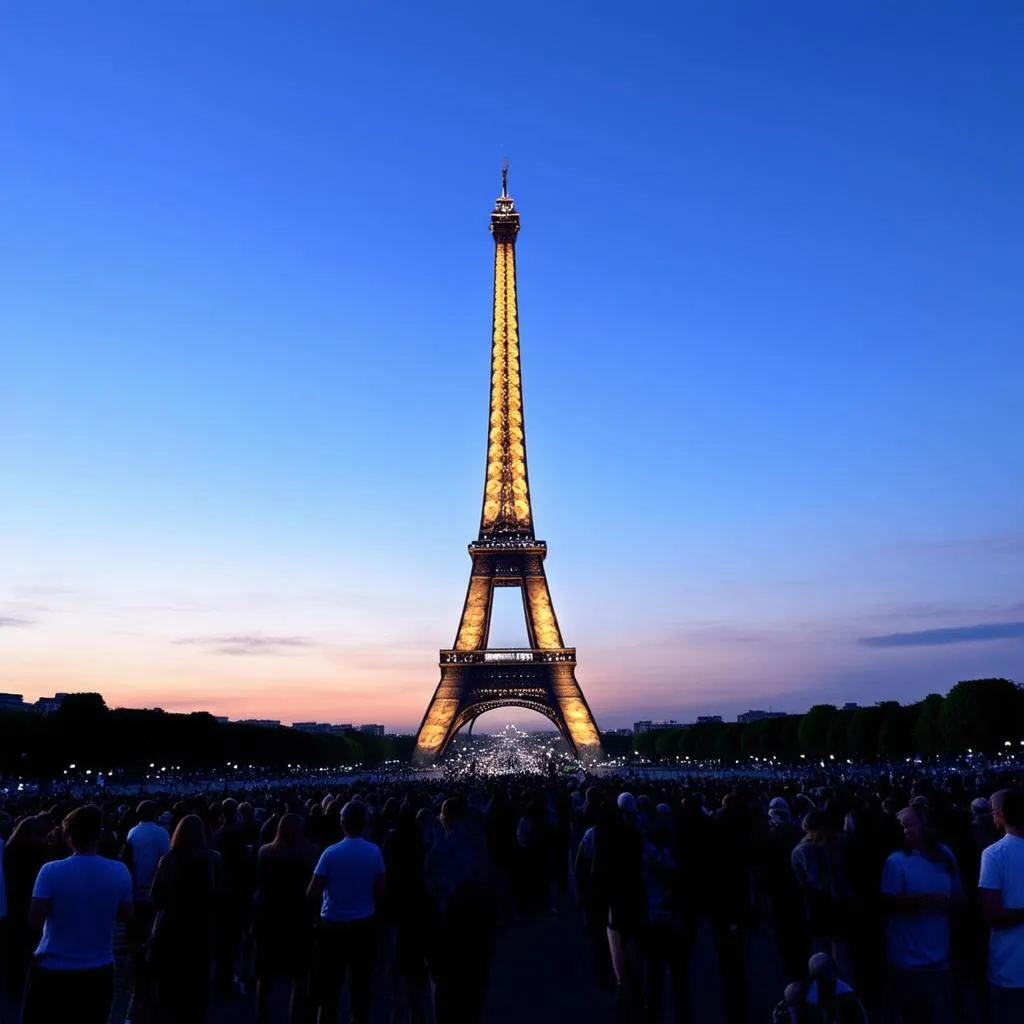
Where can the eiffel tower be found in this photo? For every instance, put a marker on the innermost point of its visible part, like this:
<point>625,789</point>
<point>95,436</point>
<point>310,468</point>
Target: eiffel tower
<point>476,678</point>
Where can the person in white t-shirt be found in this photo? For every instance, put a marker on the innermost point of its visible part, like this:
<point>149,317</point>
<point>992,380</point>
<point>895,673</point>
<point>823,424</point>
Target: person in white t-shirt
<point>76,902</point>
<point>920,886</point>
<point>1001,900</point>
<point>347,886</point>
<point>145,845</point>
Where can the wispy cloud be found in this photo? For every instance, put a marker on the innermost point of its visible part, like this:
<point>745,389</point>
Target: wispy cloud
<point>993,545</point>
<point>247,643</point>
<point>47,591</point>
<point>949,635</point>
<point>12,622</point>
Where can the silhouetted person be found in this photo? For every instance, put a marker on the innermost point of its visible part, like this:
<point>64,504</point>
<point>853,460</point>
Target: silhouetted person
<point>76,902</point>
<point>185,901</point>
<point>348,885</point>
<point>284,933</point>
<point>460,889</point>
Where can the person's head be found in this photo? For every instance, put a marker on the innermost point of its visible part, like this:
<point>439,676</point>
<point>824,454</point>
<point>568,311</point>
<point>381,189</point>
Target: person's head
<point>1008,809</point>
<point>794,993</point>
<point>229,811</point>
<point>778,811</point>
<point>353,819</point>
<point>189,837</point>
<point>821,968</point>
<point>82,828</point>
<point>147,810</point>
<point>626,804</point>
<point>290,830</point>
<point>453,813</point>
<point>912,823</point>
<point>817,826</point>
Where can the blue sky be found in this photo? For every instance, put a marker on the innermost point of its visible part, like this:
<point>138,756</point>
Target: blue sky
<point>771,324</point>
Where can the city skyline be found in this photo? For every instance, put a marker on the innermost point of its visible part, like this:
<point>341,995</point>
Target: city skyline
<point>769,337</point>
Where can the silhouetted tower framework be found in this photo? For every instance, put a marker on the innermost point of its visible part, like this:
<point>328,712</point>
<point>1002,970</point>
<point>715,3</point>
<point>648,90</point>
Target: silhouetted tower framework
<point>476,678</point>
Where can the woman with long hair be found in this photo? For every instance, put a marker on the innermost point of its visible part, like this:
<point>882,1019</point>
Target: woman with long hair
<point>25,853</point>
<point>920,886</point>
<point>819,863</point>
<point>284,928</point>
<point>182,945</point>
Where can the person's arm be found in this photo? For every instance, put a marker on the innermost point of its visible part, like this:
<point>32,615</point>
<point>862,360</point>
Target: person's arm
<point>380,883</point>
<point>38,912</point>
<point>895,898</point>
<point>42,900</point>
<point>159,889</point>
<point>126,908</point>
<point>318,884</point>
<point>990,893</point>
<point>128,855</point>
<point>994,914</point>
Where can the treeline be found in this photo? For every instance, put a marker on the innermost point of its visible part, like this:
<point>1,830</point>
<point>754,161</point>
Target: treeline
<point>88,734</point>
<point>979,714</point>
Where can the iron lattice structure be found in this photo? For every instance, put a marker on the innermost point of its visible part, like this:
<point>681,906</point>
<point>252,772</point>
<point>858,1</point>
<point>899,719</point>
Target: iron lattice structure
<point>476,678</point>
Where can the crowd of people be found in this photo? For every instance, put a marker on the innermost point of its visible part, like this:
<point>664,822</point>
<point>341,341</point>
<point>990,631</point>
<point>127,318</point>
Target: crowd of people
<point>894,900</point>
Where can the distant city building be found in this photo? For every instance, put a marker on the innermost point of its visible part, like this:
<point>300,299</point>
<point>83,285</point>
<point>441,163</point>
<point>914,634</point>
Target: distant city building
<point>341,730</point>
<point>708,719</point>
<point>12,702</point>
<point>851,705</point>
<point>757,715</point>
<point>46,705</point>
<point>646,725</point>
<point>618,732</point>
<point>263,723</point>
<point>372,730</point>
<point>312,726</point>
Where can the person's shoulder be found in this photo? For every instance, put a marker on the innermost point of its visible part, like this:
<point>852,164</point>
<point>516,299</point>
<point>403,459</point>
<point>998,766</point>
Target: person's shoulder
<point>117,870</point>
<point>50,868</point>
<point>996,850</point>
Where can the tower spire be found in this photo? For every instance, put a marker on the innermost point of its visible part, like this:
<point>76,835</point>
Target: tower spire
<point>506,508</point>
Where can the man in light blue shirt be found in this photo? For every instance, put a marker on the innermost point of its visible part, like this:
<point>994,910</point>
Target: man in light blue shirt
<point>76,902</point>
<point>347,886</point>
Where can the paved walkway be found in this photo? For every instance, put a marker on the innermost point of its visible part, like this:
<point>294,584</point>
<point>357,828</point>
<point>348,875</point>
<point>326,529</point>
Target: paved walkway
<point>541,969</point>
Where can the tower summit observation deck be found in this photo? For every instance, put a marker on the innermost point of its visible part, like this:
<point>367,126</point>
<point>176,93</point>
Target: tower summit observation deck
<point>476,678</point>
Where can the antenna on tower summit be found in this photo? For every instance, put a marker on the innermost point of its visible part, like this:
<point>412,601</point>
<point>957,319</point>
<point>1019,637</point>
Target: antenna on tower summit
<point>504,179</point>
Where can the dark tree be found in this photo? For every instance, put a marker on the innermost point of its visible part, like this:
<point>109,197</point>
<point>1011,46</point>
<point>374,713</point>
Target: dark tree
<point>813,730</point>
<point>981,714</point>
<point>927,734</point>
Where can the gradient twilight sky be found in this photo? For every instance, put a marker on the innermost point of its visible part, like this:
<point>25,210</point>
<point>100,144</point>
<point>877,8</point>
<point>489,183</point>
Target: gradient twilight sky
<point>771,314</point>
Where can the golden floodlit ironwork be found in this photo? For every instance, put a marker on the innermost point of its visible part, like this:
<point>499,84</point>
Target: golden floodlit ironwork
<point>475,678</point>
